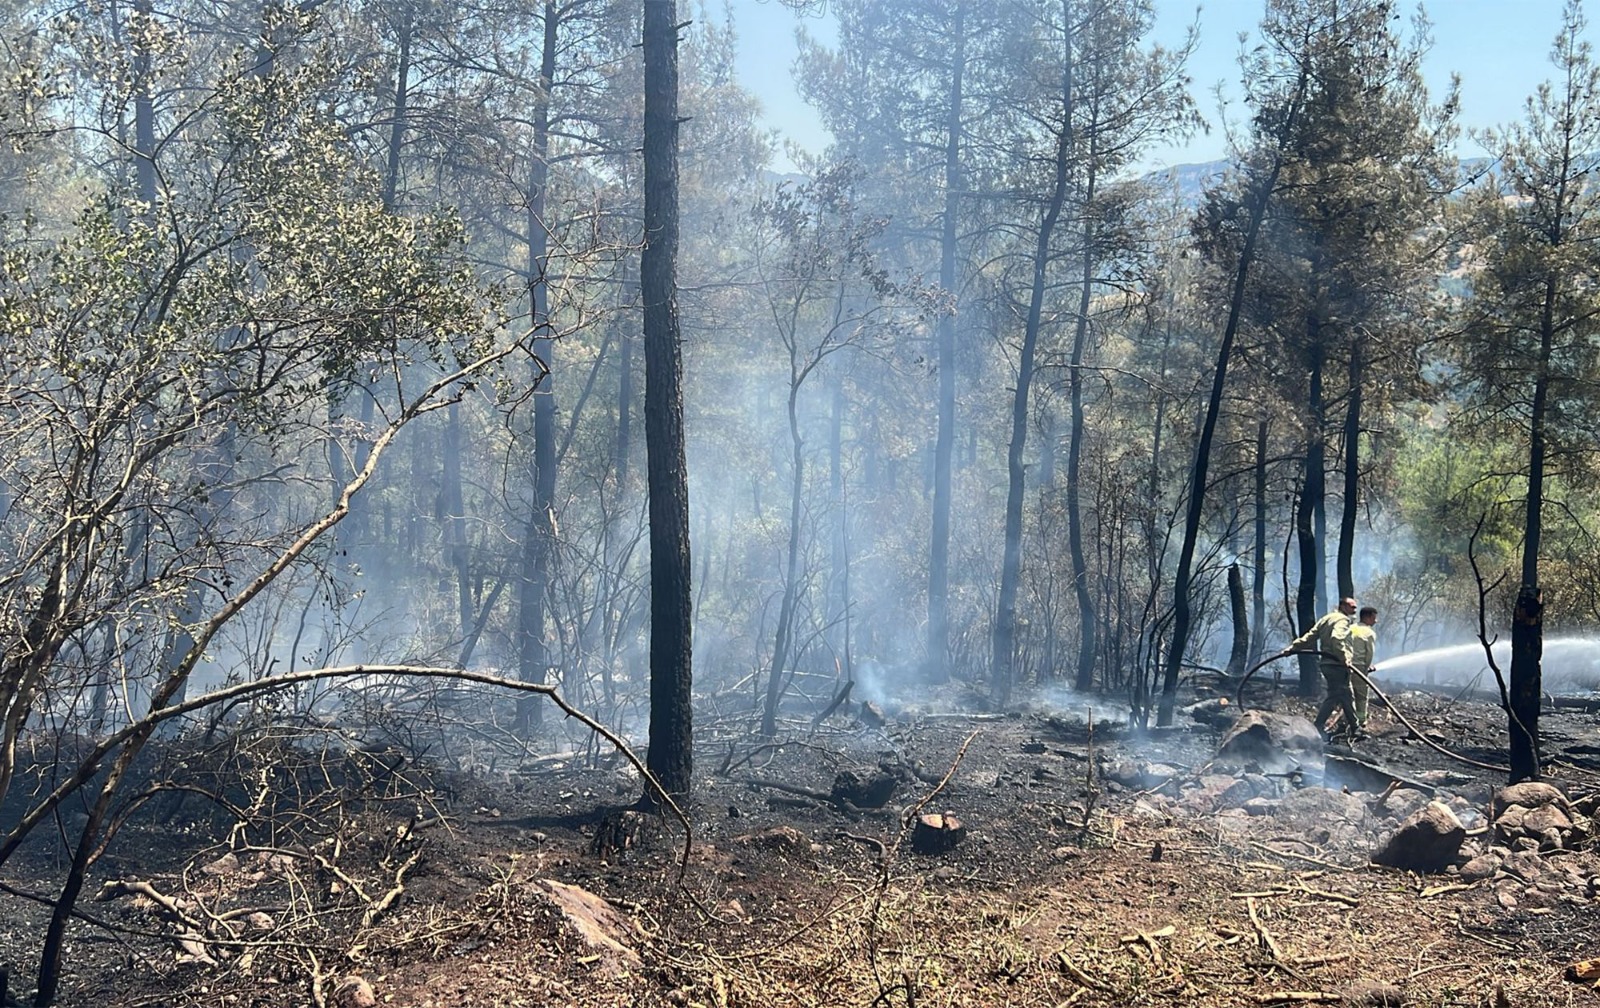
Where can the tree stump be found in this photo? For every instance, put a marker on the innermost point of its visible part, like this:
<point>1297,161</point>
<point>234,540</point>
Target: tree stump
<point>868,789</point>
<point>936,833</point>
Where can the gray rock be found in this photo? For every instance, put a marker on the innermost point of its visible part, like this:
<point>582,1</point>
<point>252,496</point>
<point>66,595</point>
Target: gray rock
<point>1529,794</point>
<point>1269,740</point>
<point>1524,864</point>
<point>1481,867</point>
<point>1333,813</point>
<point>1546,817</point>
<point>1428,841</point>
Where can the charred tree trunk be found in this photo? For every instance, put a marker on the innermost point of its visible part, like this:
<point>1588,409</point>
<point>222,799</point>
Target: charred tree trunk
<point>1312,488</point>
<point>538,539</point>
<point>1182,615</point>
<point>671,674</point>
<point>1258,568</point>
<point>1241,623</point>
<point>1527,620</point>
<point>938,669</point>
<point>1005,620</point>
<point>1080,339</point>
<point>1352,475</point>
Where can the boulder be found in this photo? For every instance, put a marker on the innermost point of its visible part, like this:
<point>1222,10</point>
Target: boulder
<point>1481,867</point>
<point>1546,817</point>
<point>1323,813</point>
<point>785,841</point>
<point>1428,841</point>
<point>1529,794</point>
<point>1269,740</point>
<point>593,921</point>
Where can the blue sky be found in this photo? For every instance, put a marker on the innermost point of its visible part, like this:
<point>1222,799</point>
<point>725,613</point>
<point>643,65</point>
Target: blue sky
<point>1500,49</point>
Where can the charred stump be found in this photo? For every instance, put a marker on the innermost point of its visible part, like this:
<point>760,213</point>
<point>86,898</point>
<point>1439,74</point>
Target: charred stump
<point>935,833</point>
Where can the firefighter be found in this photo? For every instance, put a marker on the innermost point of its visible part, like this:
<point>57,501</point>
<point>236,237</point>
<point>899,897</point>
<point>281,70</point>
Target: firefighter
<point>1330,637</point>
<point>1363,650</point>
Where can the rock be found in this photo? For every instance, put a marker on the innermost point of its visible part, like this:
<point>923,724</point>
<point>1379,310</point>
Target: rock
<point>1138,775</point>
<point>1331,813</point>
<point>1215,712</point>
<point>260,921</point>
<point>1546,817</point>
<point>1428,841</point>
<point>1551,839</point>
<point>867,789</point>
<point>1509,821</point>
<point>786,841</point>
<point>1261,806</point>
<point>1523,864</point>
<point>1481,867</point>
<point>353,992</point>
<point>1405,803</point>
<point>1529,794</point>
<point>1269,740</point>
<point>595,923</point>
<point>227,864</point>
<point>1215,792</point>
<point>1506,897</point>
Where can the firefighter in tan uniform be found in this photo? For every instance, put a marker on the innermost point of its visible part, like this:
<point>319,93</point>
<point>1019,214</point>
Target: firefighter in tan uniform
<point>1363,651</point>
<point>1330,637</point>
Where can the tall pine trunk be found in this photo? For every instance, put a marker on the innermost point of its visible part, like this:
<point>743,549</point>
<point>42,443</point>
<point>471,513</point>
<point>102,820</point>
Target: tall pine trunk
<point>1080,338</point>
<point>1004,642</point>
<point>1527,619</point>
<point>671,757</point>
<point>1312,489</point>
<point>944,444</point>
<point>538,538</point>
<point>1351,505</point>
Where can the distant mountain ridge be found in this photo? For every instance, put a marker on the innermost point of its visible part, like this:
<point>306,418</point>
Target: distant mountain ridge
<point>1188,181</point>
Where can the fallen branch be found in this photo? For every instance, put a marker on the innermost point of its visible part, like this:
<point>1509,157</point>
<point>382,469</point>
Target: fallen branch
<point>1079,975</point>
<point>140,728</point>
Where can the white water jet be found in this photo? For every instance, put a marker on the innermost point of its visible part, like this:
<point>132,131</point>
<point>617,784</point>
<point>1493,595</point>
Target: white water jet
<point>1570,663</point>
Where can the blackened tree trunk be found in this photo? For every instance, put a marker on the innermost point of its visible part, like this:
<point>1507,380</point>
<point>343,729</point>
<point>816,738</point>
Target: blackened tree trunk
<point>1182,614</point>
<point>1527,620</point>
<point>538,538</point>
<point>1313,485</point>
<point>1258,564</point>
<point>1241,624</point>
<point>1080,338</point>
<point>944,443</point>
<point>1352,475</point>
<point>1005,620</point>
<point>667,476</point>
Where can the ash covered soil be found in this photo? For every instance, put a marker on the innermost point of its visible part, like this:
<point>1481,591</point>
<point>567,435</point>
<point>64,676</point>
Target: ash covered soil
<point>1099,866</point>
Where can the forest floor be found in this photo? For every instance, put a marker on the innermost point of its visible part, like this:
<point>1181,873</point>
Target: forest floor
<point>1101,866</point>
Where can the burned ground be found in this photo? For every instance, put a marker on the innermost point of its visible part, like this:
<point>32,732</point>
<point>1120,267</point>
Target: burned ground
<point>1101,866</point>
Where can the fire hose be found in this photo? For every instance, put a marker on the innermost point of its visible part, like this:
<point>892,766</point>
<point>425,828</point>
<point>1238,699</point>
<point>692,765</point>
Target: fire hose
<point>1430,743</point>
